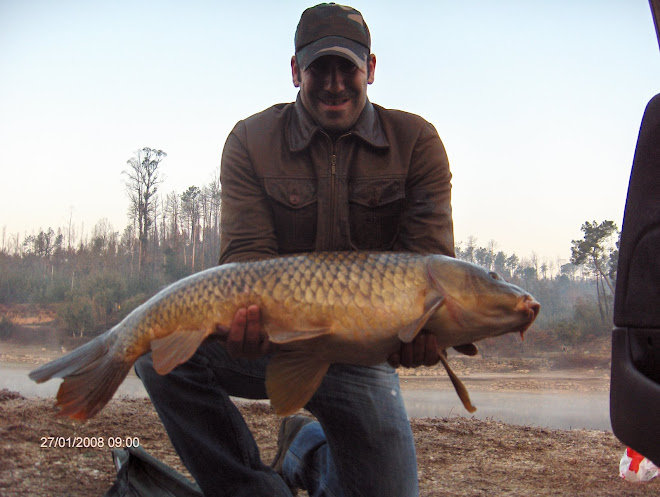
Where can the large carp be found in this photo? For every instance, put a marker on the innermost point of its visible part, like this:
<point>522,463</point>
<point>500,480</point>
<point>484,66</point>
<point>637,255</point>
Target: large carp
<point>320,308</point>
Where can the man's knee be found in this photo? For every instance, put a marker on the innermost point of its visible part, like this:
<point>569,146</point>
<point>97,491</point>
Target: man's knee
<point>144,367</point>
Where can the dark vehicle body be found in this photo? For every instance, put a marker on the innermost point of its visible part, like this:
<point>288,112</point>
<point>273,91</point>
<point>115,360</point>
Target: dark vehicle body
<point>635,383</point>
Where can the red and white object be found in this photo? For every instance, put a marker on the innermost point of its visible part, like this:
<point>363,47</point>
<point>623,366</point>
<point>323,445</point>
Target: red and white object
<point>636,468</point>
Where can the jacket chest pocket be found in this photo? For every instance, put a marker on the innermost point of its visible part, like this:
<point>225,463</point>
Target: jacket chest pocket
<point>375,208</point>
<point>294,205</point>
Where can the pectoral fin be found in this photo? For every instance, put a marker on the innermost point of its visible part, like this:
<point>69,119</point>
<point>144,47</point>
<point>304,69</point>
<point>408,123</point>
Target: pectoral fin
<point>282,335</point>
<point>176,348</point>
<point>292,377</point>
<point>458,385</point>
<point>285,326</point>
<point>408,333</point>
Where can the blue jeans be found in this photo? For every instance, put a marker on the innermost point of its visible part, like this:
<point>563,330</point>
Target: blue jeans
<point>363,445</point>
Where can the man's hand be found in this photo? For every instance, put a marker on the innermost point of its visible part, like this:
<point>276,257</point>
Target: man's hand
<point>247,338</point>
<point>422,351</point>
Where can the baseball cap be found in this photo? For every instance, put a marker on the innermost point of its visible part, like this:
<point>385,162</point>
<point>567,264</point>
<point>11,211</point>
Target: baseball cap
<point>332,29</point>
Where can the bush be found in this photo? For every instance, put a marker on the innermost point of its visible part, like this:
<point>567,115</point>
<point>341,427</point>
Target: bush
<point>131,303</point>
<point>106,291</point>
<point>77,316</point>
<point>568,333</point>
<point>7,328</point>
<point>580,360</point>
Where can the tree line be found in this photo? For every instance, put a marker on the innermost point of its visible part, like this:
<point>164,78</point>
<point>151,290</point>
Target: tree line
<point>95,280</point>
<point>576,297</point>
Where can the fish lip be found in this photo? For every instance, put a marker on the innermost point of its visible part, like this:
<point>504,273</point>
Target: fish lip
<point>534,307</point>
<point>528,305</point>
<point>530,308</point>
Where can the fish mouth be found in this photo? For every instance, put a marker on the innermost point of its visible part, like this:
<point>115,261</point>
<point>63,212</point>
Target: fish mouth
<point>529,308</point>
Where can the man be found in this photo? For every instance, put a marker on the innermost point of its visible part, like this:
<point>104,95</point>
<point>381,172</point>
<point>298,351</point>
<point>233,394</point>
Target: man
<point>331,171</point>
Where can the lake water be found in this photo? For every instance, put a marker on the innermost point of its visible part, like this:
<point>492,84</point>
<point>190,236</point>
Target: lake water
<point>548,410</point>
<point>568,410</point>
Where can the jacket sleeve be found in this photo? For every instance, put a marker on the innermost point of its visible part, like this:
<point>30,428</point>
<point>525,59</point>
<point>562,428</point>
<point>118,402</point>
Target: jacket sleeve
<point>426,223</point>
<point>247,230</point>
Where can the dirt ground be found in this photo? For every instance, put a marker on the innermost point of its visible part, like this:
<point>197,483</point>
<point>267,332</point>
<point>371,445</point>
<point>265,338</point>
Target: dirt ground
<point>457,456</point>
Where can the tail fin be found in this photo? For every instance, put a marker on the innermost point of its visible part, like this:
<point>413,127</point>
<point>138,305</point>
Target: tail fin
<point>91,377</point>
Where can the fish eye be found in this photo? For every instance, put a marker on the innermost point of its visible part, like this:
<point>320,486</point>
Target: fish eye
<point>494,275</point>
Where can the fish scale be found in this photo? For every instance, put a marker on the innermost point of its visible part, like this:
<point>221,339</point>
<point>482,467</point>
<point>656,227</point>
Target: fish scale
<point>317,308</point>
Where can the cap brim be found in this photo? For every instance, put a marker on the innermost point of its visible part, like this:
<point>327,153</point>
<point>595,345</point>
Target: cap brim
<point>333,45</point>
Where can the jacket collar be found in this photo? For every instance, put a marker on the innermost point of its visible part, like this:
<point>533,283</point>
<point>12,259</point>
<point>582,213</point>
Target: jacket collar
<point>301,127</point>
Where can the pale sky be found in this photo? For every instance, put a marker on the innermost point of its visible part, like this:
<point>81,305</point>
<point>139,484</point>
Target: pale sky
<point>538,102</point>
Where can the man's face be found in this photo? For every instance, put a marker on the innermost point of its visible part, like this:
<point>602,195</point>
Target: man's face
<point>333,90</point>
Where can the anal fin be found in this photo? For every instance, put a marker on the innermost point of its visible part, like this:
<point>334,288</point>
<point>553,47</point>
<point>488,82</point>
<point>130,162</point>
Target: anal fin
<point>292,377</point>
<point>176,348</point>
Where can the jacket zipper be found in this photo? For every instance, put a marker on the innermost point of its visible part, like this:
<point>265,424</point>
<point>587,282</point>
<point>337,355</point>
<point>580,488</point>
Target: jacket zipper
<point>333,175</point>
<point>333,189</point>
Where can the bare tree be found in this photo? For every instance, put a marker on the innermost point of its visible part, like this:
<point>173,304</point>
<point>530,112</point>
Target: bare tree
<point>141,187</point>
<point>173,207</point>
<point>191,209</point>
<point>205,204</point>
<point>163,226</point>
<point>70,231</point>
<point>216,205</point>
<point>468,253</point>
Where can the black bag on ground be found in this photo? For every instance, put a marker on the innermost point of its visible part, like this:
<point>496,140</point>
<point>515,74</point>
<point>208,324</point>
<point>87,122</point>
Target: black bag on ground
<point>139,474</point>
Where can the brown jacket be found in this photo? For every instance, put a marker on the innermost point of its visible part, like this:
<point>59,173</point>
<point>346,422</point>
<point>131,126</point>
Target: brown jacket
<point>286,188</point>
